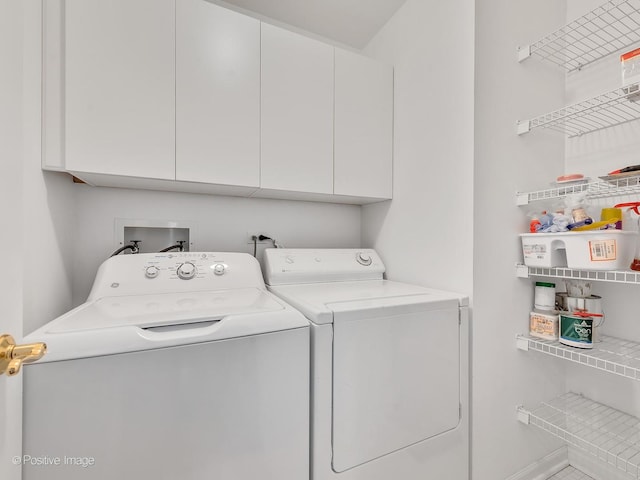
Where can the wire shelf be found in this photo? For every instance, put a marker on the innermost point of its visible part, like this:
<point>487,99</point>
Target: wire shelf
<point>613,26</point>
<point>603,432</point>
<point>628,185</point>
<point>609,109</point>
<point>610,276</point>
<point>570,473</point>
<point>612,355</point>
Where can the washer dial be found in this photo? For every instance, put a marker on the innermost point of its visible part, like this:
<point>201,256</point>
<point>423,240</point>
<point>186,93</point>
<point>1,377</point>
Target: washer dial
<point>151,271</point>
<point>219,269</point>
<point>187,271</point>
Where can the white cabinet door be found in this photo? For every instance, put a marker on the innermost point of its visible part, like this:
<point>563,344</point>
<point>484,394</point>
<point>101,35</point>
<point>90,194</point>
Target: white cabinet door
<point>120,87</point>
<point>217,95</point>
<point>363,126</point>
<point>297,112</point>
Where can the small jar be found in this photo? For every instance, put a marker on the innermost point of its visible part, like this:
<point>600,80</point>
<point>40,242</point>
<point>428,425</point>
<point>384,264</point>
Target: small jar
<point>579,214</point>
<point>545,296</point>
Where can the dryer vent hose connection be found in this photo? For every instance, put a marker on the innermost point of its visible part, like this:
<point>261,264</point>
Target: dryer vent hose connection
<point>262,238</point>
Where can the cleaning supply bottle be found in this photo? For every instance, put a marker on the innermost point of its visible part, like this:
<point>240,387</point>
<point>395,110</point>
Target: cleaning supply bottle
<point>631,222</point>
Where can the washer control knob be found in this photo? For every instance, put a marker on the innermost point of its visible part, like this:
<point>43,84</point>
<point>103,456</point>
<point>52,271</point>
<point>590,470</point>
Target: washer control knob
<point>219,269</point>
<point>187,271</point>
<point>363,258</point>
<point>151,271</point>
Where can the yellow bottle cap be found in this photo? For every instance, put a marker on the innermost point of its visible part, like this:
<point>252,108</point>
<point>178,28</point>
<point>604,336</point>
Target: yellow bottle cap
<point>611,214</point>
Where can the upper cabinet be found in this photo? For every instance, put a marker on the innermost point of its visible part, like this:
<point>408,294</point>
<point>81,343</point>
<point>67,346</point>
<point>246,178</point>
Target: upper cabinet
<point>186,95</point>
<point>363,126</point>
<point>119,84</point>
<point>217,95</point>
<point>297,112</point>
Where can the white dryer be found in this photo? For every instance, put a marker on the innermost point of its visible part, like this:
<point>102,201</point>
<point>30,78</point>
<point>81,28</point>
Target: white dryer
<point>389,365</point>
<point>178,365</point>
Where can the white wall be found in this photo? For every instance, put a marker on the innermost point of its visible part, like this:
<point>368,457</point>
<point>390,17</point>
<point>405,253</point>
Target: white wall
<point>43,232</point>
<point>425,234</point>
<point>11,213</point>
<point>48,202</point>
<point>505,163</point>
<point>222,223</point>
<point>35,286</point>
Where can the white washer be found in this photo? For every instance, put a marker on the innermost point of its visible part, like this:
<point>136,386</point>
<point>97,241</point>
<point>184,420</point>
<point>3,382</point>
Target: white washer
<point>178,365</point>
<point>389,364</point>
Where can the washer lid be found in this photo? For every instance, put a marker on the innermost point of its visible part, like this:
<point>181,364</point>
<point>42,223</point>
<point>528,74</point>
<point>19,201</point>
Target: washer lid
<point>145,311</point>
<point>122,324</point>
<point>319,301</point>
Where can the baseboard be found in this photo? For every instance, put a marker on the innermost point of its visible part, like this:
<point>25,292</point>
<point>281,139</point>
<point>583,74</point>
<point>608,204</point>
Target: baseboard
<point>545,467</point>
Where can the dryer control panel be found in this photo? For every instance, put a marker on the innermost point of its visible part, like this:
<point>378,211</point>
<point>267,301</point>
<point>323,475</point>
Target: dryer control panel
<point>285,266</point>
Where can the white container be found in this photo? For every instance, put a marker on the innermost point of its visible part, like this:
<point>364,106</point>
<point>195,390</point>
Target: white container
<point>630,63</point>
<point>543,325</point>
<point>590,250</point>
<point>543,249</point>
<point>545,296</point>
<point>600,250</point>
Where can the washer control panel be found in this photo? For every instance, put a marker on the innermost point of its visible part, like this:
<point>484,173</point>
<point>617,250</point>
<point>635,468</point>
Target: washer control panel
<point>176,271</point>
<point>185,266</point>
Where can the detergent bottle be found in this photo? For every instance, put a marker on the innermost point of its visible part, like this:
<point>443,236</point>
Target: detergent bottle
<point>631,222</point>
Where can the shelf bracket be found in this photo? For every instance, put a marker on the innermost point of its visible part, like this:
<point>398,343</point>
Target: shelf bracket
<point>524,416</point>
<point>522,199</point>
<point>524,126</point>
<point>524,53</point>
<point>522,343</point>
<point>522,271</point>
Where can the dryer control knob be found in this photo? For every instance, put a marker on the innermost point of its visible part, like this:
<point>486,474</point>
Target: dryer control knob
<point>363,259</point>
<point>219,269</point>
<point>151,271</point>
<point>187,271</point>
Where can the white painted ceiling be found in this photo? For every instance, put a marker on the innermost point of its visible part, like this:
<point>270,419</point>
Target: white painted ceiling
<point>351,22</point>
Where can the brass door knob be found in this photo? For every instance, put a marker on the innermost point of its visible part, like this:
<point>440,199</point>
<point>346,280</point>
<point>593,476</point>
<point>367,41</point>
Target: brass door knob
<point>12,356</point>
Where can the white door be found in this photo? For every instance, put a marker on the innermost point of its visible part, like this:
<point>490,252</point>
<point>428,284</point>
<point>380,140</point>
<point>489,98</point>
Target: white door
<point>11,214</point>
<point>393,367</point>
<point>363,126</point>
<point>120,87</point>
<point>217,95</point>
<point>297,112</point>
